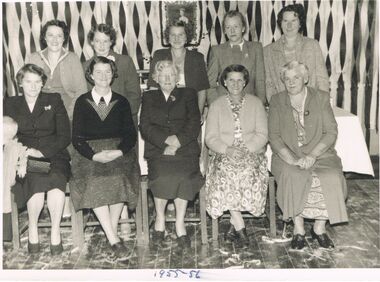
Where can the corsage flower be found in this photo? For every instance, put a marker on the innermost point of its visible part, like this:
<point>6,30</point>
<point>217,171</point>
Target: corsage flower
<point>47,108</point>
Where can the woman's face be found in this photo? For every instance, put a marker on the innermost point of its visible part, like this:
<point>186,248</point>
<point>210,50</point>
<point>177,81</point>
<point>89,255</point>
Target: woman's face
<point>234,29</point>
<point>54,38</point>
<point>102,75</point>
<point>101,44</point>
<point>167,79</point>
<point>290,23</point>
<point>235,83</point>
<point>31,84</point>
<point>177,37</point>
<point>294,81</point>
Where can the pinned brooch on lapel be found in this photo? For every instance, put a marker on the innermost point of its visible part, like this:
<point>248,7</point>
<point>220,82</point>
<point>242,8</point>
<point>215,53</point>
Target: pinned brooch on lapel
<point>47,108</point>
<point>172,98</point>
<point>246,55</point>
<point>110,57</point>
<point>306,113</point>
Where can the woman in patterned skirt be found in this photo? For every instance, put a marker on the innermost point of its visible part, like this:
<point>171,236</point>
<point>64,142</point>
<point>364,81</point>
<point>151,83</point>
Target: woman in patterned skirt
<point>236,133</point>
<point>308,172</point>
<point>105,168</point>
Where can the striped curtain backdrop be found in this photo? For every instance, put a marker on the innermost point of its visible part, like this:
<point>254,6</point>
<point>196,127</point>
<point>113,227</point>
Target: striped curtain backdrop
<point>347,31</point>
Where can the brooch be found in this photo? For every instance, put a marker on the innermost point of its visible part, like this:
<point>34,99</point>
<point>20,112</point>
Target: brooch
<point>47,108</point>
<point>172,98</point>
<point>246,55</point>
<point>306,113</point>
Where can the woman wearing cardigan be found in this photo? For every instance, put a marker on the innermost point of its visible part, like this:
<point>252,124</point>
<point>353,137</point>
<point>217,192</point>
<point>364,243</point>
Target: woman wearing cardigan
<point>190,65</point>
<point>293,46</point>
<point>62,67</point>
<point>236,51</point>
<point>308,172</point>
<point>236,133</point>
<point>102,38</point>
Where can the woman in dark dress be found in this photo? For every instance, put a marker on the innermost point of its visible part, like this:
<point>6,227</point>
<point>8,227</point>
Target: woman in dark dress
<point>105,168</point>
<point>170,124</point>
<point>44,127</point>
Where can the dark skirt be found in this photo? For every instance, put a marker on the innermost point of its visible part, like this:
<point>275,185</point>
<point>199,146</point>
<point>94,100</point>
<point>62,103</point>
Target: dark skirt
<point>33,183</point>
<point>95,184</point>
<point>171,177</point>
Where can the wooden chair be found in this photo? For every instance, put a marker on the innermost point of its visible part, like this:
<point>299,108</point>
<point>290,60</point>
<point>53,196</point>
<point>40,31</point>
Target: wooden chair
<point>17,230</point>
<point>81,222</point>
<point>272,212</point>
<point>146,221</point>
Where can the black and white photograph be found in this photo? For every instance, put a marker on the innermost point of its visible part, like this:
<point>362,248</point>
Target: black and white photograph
<point>190,140</point>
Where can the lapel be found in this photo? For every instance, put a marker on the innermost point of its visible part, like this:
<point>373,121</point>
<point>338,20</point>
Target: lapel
<point>41,105</point>
<point>173,98</point>
<point>291,139</point>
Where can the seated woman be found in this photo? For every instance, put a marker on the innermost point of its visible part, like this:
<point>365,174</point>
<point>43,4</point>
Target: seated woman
<point>190,64</point>
<point>43,127</point>
<point>236,133</point>
<point>302,134</point>
<point>293,46</point>
<point>170,124</point>
<point>105,168</point>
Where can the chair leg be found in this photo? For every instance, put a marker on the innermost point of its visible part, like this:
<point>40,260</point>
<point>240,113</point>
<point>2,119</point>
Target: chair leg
<point>15,224</point>
<point>144,207</point>
<point>272,208</point>
<point>202,211</point>
<point>77,226</point>
<point>215,229</point>
<point>139,222</point>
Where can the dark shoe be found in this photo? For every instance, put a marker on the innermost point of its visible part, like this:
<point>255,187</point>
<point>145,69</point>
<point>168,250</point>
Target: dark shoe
<point>298,242</point>
<point>230,235</point>
<point>184,242</point>
<point>56,249</point>
<point>33,248</point>
<point>323,240</point>
<point>158,237</point>
<point>120,251</point>
<point>242,238</point>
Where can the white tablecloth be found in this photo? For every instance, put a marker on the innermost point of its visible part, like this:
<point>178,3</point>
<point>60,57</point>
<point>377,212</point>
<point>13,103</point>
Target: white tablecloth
<point>350,145</point>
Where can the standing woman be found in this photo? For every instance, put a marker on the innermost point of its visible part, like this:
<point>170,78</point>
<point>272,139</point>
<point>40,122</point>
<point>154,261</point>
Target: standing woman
<point>105,168</point>
<point>293,46</point>
<point>191,67</point>
<point>170,125</point>
<point>43,127</point>
<point>102,38</point>
<point>236,133</point>
<point>236,51</point>
<point>308,172</point>
<point>62,67</point>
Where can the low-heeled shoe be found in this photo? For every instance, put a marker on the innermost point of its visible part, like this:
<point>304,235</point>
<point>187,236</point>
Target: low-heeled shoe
<point>230,235</point>
<point>184,242</point>
<point>242,239</point>
<point>323,240</point>
<point>298,242</point>
<point>33,248</point>
<point>120,251</point>
<point>158,237</point>
<point>56,249</point>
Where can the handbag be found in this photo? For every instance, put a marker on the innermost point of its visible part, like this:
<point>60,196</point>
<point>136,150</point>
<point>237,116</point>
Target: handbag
<point>38,165</point>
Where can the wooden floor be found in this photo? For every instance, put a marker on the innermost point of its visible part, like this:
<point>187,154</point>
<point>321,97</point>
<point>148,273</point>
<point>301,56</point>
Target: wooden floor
<point>357,244</point>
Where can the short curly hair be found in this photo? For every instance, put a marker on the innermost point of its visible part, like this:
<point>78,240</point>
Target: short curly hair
<point>299,10</point>
<point>297,66</point>
<point>58,23</point>
<point>102,60</point>
<point>234,68</point>
<point>103,28</point>
<point>186,27</point>
<point>234,13</point>
<point>32,68</point>
<point>160,65</point>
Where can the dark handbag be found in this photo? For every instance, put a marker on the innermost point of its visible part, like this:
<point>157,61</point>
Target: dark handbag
<point>38,165</point>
